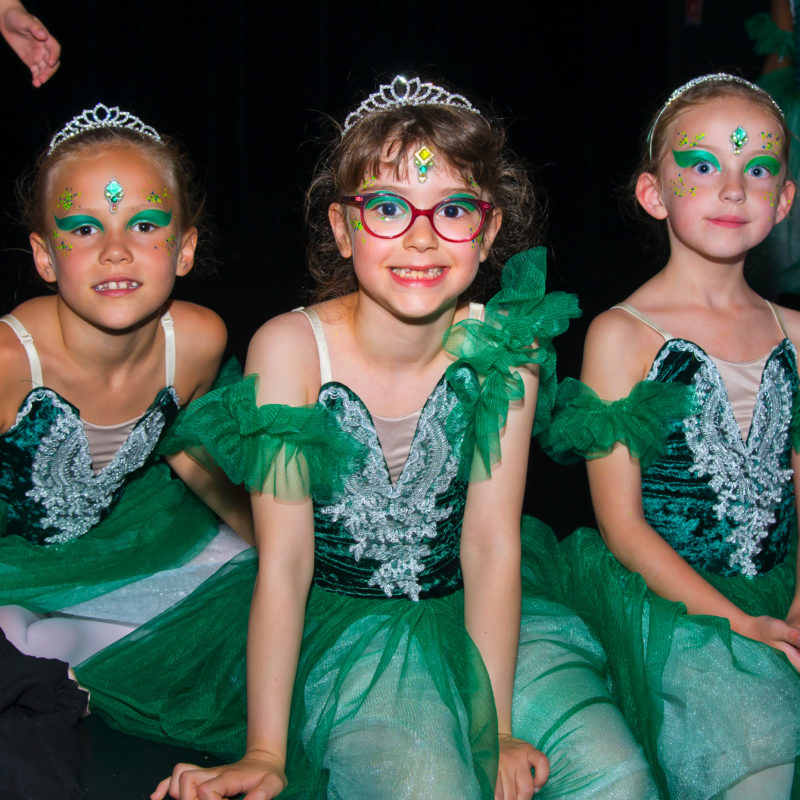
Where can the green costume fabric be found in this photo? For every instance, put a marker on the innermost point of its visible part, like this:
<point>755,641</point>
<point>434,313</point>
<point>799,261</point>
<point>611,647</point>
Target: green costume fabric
<point>391,698</point>
<point>709,706</point>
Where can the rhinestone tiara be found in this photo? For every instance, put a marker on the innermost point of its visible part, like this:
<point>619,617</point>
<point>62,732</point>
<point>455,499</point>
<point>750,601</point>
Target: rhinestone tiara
<point>101,116</point>
<point>406,92</point>
<point>714,77</point>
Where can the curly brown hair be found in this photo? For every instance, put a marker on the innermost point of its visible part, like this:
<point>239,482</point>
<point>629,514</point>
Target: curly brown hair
<point>35,186</point>
<point>475,145</point>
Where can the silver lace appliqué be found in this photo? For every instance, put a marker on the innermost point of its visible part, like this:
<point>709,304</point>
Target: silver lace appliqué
<point>62,478</point>
<point>392,524</point>
<point>746,476</point>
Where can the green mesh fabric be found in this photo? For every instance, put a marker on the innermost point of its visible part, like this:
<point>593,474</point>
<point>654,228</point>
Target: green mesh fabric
<point>519,324</point>
<point>767,37</point>
<point>584,426</point>
<point>281,450</point>
<point>157,524</point>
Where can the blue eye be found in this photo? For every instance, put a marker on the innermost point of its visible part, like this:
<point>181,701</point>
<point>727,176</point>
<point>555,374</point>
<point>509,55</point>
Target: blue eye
<point>386,208</point>
<point>704,168</point>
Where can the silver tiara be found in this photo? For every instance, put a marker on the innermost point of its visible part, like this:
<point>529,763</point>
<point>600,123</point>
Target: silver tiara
<point>406,92</point>
<point>714,77</point>
<point>101,116</point>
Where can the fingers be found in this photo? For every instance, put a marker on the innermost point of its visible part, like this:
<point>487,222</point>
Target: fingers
<point>541,766</point>
<point>182,783</point>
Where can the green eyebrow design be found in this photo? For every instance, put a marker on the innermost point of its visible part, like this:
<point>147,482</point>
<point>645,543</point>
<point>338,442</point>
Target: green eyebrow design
<point>69,224</point>
<point>152,215</point>
<point>770,164</point>
<point>690,158</point>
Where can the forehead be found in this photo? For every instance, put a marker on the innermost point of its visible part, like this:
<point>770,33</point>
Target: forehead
<point>395,165</point>
<point>88,171</point>
<point>718,116</point>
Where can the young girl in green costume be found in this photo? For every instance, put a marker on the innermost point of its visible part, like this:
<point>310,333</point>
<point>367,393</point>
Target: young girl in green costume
<point>393,650</point>
<point>689,414</point>
<point>96,534</point>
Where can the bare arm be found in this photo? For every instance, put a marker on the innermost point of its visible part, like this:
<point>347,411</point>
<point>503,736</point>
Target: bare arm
<point>285,541</point>
<point>612,364</point>
<point>490,561</point>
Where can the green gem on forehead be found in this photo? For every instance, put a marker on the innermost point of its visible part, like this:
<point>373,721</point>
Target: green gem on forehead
<point>739,139</point>
<point>114,192</point>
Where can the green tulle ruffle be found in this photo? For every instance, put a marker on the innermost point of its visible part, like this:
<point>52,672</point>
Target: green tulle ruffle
<point>288,452</point>
<point>767,37</point>
<point>519,323</point>
<point>584,426</point>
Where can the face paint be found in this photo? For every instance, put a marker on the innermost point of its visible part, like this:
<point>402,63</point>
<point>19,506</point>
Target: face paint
<point>155,197</point>
<point>152,216</point>
<point>170,240</point>
<point>356,224</point>
<point>686,159</point>
<point>66,198</point>
<point>768,163</point>
<point>65,247</point>
<point>739,139</point>
<point>69,224</point>
<point>114,193</point>
<point>683,139</point>
<point>367,182</point>
<point>770,198</point>
<point>770,142</point>
<point>423,161</point>
<point>679,188</point>
<point>471,182</point>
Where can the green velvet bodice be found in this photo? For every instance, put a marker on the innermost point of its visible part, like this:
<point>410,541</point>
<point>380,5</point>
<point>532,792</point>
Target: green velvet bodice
<point>725,504</point>
<point>48,491</point>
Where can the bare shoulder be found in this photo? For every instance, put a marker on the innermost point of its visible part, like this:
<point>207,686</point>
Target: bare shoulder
<point>283,353</point>
<point>200,340</point>
<point>791,320</point>
<point>618,353</point>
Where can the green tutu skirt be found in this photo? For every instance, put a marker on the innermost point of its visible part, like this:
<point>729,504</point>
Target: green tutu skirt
<point>709,706</point>
<point>391,699</point>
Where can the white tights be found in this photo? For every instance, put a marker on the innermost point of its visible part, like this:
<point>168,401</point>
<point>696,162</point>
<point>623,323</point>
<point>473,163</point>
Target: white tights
<point>71,639</point>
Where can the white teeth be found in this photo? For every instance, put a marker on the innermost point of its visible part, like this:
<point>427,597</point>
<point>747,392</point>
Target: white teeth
<point>403,272</point>
<point>110,286</point>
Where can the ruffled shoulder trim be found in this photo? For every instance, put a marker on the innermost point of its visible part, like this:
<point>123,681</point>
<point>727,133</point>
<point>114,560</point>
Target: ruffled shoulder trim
<point>289,452</point>
<point>767,37</point>
<point>584,426</point>
<point>519,323</point>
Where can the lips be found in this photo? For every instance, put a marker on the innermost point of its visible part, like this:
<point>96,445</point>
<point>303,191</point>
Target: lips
<point>728,221</point>
<point>118,286</point>
<point>418,276</point>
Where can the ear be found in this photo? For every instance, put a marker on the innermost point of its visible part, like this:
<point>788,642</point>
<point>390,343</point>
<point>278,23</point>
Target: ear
<point>188,245</point>
<point>43,258</point>
<point>489,232</point>
<point>337,216</point>
<point>648,193</point>
<point>785,200</point>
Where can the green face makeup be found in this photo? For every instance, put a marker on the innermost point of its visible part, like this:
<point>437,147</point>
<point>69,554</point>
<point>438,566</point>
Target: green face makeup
<point>66,199</point>
<point>683,138</point>
<point>69,224</point>
<point>686,159</point>
<point>155,216</point>
<point>155,197</point>
<point>769,163</point>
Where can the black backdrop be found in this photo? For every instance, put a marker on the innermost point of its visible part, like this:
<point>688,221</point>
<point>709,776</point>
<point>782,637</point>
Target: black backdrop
<point>243,85</point>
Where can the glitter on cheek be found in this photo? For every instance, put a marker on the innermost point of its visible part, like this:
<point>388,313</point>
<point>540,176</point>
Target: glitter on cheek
<point>66,199</point>
<point>679,188</point>
<point>170,241</point>
<point>770,198</point>
<point>356,224</point>
<point>63,246</point>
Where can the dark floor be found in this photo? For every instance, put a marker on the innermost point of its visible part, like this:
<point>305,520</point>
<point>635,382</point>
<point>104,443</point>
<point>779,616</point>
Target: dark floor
<point>125,767</point>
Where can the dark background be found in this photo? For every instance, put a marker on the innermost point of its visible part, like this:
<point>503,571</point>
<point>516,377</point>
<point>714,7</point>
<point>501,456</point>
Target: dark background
<point>245,86</point>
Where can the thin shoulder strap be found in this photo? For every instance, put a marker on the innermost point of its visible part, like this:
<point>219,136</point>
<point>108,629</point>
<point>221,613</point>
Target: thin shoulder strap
<point>644,318</point>
<point>26,340</point>
<point>169,347</point>
<point>322,344</point>
<point>778,318</point>
<point>476,311</point>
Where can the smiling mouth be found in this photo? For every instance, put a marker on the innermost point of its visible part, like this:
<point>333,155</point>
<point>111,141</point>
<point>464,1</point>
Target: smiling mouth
<point>113,286</point>
<point>418,274</point>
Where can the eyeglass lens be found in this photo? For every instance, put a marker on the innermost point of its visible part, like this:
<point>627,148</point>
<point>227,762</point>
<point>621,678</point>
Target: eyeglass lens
<point>456,218</point>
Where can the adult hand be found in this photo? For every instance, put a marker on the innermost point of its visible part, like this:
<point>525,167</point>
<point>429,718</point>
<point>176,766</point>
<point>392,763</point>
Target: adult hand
<point>259,773</point>
<point>31,41</point>
<point>514,779</point>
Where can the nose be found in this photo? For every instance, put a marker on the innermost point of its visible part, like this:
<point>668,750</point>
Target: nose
<point>115,249</point>
<point>421,234</point>
<point>733,188</point>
